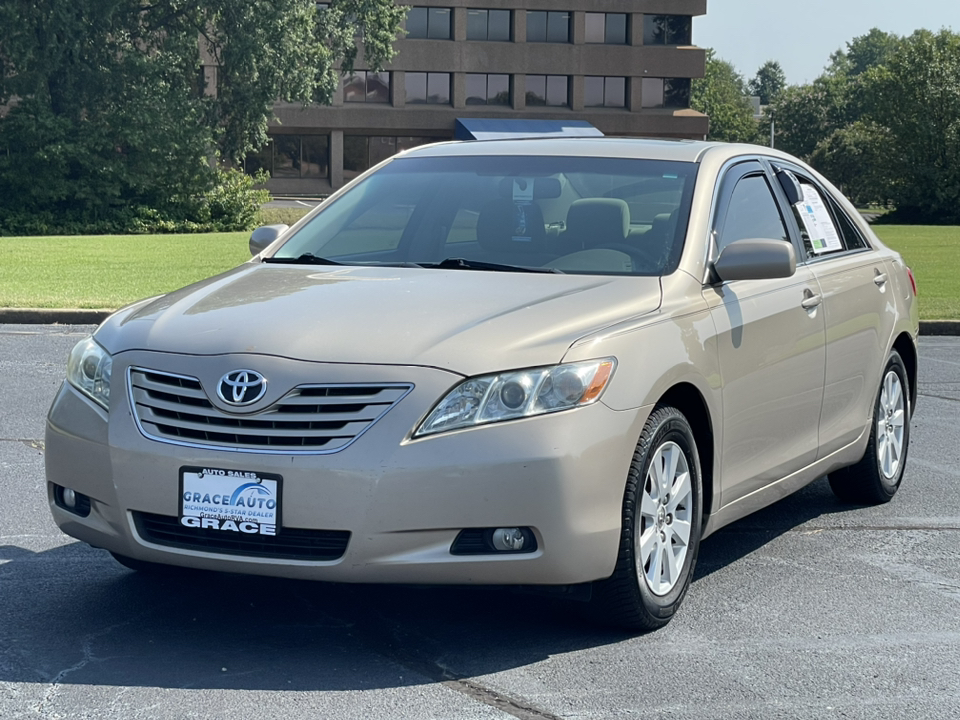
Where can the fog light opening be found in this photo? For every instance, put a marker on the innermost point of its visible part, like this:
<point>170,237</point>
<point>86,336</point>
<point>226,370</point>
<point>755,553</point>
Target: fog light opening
<point>494,541</point>
<point>508,539</point>
<point>71,500</point>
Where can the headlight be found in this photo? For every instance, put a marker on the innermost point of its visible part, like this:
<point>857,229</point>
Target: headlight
<point>88,370</point>
<point>511,395</point>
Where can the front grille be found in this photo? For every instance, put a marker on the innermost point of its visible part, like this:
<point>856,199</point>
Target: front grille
<point>287,544</point>
<point>310,419</point>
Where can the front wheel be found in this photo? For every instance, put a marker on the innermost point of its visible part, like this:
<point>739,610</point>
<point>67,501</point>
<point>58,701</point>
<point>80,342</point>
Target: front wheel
<point>661,526</point>
<point>877,477</point>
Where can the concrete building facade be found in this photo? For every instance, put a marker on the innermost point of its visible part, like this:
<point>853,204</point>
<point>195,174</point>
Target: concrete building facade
<point>623,66</point>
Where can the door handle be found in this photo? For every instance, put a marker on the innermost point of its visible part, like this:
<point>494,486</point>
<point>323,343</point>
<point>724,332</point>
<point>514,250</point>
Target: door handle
<point>811,301</point>
<point>880,278</point>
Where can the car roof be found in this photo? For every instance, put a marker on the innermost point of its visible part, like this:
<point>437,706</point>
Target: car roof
<point>614,147</point>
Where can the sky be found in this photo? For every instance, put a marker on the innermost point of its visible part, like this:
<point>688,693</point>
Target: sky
<point>801,35</point>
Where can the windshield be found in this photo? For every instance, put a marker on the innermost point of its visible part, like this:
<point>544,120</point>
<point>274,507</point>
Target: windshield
<point>549,214</point>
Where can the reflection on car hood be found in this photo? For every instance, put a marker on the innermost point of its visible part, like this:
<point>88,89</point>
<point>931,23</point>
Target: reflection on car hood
<point>464,321</point>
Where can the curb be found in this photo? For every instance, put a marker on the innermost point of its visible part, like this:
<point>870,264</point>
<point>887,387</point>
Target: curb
<point>44,316</point>
<point>940,327</point>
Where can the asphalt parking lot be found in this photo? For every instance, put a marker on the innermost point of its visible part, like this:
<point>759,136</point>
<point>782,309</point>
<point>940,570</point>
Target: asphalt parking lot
<point>809,609</point>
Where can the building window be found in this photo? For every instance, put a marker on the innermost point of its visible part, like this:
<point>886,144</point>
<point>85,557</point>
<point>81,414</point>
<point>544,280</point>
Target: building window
<point>488,25</point>
<point>366,86</point>
<point>292,156</point>
<point>428,88</point>
<point>362,152</point>
<point>549,90</point>
<point>550,26</point>
<point>428,23</point>
<point>604,92</point>
<point>665,93</point>
<point>667,30</point>
<point>488,89</point>
<point>606,28</point>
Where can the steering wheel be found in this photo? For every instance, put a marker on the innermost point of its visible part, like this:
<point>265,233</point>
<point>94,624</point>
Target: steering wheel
<point>641,257</point>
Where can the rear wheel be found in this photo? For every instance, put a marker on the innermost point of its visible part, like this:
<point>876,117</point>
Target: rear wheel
<point>876,478</point>
<point>661,526</point>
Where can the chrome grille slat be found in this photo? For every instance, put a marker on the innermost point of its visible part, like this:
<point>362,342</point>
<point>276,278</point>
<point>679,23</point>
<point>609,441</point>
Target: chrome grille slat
<point>310,419</point>
<point>191,389</point>
<point>142,398</point>
<point>384,397</point>
<point>255,427</point>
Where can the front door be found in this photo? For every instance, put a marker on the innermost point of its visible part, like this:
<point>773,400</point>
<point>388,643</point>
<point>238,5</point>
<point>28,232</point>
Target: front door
<point>771,337</point>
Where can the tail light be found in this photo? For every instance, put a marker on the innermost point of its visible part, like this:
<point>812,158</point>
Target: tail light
<point>913,281</point>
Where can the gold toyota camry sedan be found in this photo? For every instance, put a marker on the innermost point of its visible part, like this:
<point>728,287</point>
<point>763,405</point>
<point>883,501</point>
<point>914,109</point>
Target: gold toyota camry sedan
<point>542,362</point>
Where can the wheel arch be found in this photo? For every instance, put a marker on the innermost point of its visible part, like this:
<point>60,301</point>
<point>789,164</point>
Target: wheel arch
<point>905,346</point>
<point>687,398</point>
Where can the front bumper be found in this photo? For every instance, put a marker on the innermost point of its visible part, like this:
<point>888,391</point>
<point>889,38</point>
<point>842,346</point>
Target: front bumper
<point>403,501</point>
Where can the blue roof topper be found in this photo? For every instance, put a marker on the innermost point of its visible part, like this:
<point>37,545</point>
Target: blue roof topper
<point>504,128</point>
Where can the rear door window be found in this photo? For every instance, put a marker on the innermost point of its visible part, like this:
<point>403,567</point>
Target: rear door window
<point>825,229</point>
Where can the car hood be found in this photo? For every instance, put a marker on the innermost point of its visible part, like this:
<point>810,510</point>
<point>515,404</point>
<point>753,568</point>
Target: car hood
<point>464,321</point>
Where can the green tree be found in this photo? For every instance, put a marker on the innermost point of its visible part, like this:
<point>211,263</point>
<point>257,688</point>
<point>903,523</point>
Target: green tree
<point>807,114</point>
<point>864,52</point>
<point>915,95</point>
<point>721,95</point>
<point>108,124</point>
<point>855,159</point>
<point>769,82</point>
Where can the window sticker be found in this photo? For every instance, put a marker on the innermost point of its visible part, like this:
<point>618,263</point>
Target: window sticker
<point>816,219</point>
<point>522,199</point>
<point>523,190</point>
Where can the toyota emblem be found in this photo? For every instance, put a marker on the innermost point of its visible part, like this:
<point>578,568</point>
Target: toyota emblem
<point>241,387</point>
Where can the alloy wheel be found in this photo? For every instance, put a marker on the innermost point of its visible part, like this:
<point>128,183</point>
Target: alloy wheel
<point>666,506</point>
<point>890,425</point>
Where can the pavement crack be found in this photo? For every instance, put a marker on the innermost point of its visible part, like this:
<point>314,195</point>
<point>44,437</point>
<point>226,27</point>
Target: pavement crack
<point>86,648</point>
<point>504,703</point>
<point>938,397</point>
<point>372,636</point>
<point>812,530</point>
<point>462,684</point>
<point>29,442</point>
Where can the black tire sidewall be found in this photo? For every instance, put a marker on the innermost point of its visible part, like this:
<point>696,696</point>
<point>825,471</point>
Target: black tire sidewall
<point>674,428</point>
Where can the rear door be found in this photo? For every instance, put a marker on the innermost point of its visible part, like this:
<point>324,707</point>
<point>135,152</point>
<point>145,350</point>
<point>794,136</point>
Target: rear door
<point>771,345</point>
<point>856,292</point>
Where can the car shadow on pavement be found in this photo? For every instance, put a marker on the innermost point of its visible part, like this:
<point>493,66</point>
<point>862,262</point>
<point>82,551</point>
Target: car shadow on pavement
<point>739,539</point>
<point>73,615</point>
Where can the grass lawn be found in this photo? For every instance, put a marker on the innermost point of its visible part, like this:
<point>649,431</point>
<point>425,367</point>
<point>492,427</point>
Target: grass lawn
<point>110,271</point>
<point>934,254</point>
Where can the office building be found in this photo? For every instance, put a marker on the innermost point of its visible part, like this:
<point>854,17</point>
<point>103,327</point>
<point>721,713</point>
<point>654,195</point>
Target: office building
<point>624,67</point>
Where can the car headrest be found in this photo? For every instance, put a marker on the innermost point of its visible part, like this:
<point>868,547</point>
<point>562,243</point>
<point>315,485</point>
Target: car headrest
<point>596,221</point>
<point>507,227</point>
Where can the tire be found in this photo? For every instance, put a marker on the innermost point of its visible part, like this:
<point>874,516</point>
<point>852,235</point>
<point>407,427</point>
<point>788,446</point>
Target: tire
<point>876,478</point>
<point>642,594</point>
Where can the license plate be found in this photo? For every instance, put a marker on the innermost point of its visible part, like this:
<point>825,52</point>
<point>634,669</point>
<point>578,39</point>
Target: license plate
<point>237,501</point>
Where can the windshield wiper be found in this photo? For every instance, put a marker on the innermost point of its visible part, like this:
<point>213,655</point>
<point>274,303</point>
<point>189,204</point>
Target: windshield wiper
<point>459,263</point>
<point>305,259</point>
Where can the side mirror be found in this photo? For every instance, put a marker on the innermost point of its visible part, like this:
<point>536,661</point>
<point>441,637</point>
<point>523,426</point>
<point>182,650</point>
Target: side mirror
<point>758,259</point>
<point>263,237</point>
